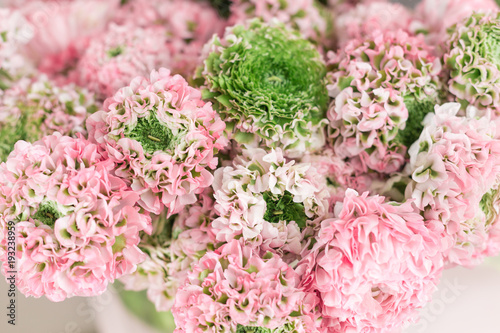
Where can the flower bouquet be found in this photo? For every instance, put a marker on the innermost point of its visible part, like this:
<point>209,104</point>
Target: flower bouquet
<point>265,166</point>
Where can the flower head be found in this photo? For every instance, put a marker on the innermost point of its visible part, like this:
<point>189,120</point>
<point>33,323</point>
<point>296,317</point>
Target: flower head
<point>455,171</point>
<point>119,55</point>
<point>77,225</point>
<point>374,264</point>
<point>163,138</point>
<point>472,61</point>
<point>265,92</point>
<point>360,21</point>
<point>236,290</point>
<point>383,87</point>
<point>269,202</point>
<point>32,108</point>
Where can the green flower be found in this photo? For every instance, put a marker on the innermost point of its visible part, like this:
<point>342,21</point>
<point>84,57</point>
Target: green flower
<point>473,60</point>
<point>283,208</point>
<point>417,110</point>
<point>269,86</point>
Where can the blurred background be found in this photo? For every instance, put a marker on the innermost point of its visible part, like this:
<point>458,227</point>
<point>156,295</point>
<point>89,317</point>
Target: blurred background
<point>467,300</point>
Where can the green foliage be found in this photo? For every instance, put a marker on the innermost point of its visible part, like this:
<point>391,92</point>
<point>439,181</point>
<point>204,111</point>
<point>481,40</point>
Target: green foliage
<point>283,208</point>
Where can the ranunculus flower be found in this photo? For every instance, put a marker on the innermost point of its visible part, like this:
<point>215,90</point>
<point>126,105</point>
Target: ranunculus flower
<point>265,93</point>
<point>119,55</point>
<point>175,245</point>
<point>163,138</point>
<point>77,225</point>
<point>269,202</point>
<point>32,108</point>
<point>472,61</point>
<point>383,87</point>
<point>373,265</point>
<point>455,171</point>
<point>360,21</point>
<point>235,290</point>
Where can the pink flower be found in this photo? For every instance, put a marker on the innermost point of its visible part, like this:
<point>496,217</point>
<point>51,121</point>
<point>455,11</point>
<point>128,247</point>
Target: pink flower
<point>360,21</point>
<point>455,171</point>
<point>234,287</point>
<point>269,202</point>
<point>77,225</point>
<point>163,138</point>
<point>118,56</point>
<point>374,264</point>
<point>383,86</point>
<point>62,31</point>
<point>189,24</point>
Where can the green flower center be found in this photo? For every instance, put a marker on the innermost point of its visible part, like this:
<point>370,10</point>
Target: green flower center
<point>47,213</point>
<point>152,135</point>
<point>252,329</point>
<point>223,7</point>
<point>487,205</point>
<point>269,75</point>
<point>283,208</point>
<point>115,52</point>
<point>417,110</point>
<point>490,48</point>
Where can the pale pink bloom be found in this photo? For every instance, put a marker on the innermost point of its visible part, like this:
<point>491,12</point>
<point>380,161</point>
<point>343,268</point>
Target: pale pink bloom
<point>374,264</point>
<point>455,171</point>
<point>116,57</point>
<point>188,25</point>
<point>163,137</point>
<point>269,202</point>
<point>235,286</point>
<point>362,20</point>
<point>377,84</point>
<point>62,31</point>
<point>77,225</point>
<point>433,18</point>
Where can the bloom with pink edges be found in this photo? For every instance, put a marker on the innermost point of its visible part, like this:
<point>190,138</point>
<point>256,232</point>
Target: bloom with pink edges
<point>305,16</point>
<point>118,56</point>
<point>455,171</point>
<point>62,32</point>
<point>188,24</point>
<point>383,87</point>
<point>269,202</point>
<point>363,19</point>
<point>433,18</point>
<point>235,290</point>
<point>163,138</point>
<point>15,31</point>
<point>77,225</point>
<point>374,264</point>
<point>32,108</point>
<point>177,242</point>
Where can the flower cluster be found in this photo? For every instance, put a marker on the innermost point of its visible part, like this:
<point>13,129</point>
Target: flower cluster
<point>455,172</point>
<point>269,202</point>
<point>383,87</point>
<point>31,108</point>
<point>374,263</point>
<point>258,85</point>
<point>163,138</point>
<point>236,290</point>
<point>77,223</point>
<point>472,61</point>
